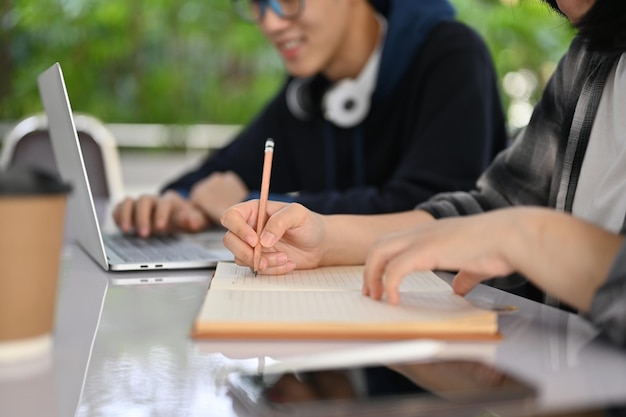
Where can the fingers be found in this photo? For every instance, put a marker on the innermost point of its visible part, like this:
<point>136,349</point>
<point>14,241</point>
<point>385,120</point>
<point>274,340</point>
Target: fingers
<point>386,265</point>
<point>142,217</point>
<point>242,250</point>
<point>136,215</point>
<point>123,213</point>
<point>162,212</point>
<point>265,267</point>
<point>158,214</point>
<point>373,274</point>
<point>282,219</point>
<point>272,262</point>
<point>283,248</point>
<point>240,221</point>
<point>465,281</point>
<point>473,245</point>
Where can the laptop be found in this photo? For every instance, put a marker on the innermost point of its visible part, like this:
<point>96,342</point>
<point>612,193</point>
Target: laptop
<point>115,251</point>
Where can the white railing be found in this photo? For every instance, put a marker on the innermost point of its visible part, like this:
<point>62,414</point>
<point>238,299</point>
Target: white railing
<point>190,137</point>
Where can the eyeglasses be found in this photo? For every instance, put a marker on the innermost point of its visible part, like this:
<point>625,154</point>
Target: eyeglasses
<point>254,10</point>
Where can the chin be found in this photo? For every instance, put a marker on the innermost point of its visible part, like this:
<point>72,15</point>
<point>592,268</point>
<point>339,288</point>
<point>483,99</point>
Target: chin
<point>301,74</point>
<point>301,71</point>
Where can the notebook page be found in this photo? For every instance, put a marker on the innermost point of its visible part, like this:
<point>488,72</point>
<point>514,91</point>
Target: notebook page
<point>316,306</point>
<point>231,276</point>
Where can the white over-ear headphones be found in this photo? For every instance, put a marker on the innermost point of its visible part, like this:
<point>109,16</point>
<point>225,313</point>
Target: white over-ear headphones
<point>299,99</point>
<point>346,103</point>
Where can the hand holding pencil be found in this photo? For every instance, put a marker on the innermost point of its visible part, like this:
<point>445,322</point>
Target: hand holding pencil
<point>265,187</point>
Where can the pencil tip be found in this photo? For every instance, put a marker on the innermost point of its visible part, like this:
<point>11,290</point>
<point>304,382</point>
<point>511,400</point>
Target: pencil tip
<point>255,273</point>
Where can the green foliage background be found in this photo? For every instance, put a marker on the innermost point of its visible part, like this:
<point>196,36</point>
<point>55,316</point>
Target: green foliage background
<point>192,61</point>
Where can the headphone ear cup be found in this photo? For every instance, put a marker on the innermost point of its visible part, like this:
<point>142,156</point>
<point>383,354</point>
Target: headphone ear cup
<point>299,99</point>
<point>346,104</point>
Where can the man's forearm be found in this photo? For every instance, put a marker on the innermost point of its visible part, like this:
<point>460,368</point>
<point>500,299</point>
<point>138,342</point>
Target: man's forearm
<point>350,237</point>
<point>565,256</point>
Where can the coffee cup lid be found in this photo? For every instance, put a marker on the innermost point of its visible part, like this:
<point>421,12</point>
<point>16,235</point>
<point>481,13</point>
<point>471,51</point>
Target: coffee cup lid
<point>31,181</point>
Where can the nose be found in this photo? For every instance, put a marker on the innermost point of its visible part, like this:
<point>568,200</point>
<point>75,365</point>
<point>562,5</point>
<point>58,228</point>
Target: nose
<point>272,22</point>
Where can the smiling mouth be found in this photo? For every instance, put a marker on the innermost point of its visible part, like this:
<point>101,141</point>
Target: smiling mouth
<point>289,45</point>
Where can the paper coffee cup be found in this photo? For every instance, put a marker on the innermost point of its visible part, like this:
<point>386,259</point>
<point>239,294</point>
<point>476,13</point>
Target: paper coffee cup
<point>32,214</point>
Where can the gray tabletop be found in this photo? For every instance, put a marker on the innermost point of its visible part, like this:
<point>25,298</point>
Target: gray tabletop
<point>125,350</point>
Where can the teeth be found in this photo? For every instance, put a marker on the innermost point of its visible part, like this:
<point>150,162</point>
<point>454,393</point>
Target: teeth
<point>290,44</point>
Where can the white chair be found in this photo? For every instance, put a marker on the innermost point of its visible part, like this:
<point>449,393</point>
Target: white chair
<point>28,144</point>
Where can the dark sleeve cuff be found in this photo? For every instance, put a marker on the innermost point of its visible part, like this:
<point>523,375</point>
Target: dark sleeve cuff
<point>608,309</point>
<point>451,204</point>
<point>286,198</point>
<point>184,192</point>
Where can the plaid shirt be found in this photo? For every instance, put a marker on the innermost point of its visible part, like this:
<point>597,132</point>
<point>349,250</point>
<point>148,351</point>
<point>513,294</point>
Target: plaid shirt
<point>542,166</point>
<point>608,309</point>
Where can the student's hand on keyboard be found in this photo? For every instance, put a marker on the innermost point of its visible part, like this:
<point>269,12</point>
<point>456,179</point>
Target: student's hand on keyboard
<point>153,214</point>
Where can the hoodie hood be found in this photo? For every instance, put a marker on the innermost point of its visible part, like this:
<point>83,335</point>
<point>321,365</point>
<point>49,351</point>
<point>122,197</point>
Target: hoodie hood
<point>409,23</point>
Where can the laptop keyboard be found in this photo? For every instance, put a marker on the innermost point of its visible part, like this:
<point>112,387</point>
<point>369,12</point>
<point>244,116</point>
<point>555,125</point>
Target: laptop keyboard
<point>155,248</point>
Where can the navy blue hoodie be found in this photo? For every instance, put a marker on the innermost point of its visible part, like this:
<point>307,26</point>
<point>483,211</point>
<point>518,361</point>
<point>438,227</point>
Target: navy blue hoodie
<point>434,125</point>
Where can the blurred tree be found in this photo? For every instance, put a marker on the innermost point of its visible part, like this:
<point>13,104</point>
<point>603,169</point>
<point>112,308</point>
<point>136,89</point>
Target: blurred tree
<point>192,61</point>
<point>141,61</point>
<point>526,39</point>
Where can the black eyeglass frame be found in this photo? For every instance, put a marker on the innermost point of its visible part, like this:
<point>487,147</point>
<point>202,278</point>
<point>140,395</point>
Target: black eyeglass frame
<point>241,9</point>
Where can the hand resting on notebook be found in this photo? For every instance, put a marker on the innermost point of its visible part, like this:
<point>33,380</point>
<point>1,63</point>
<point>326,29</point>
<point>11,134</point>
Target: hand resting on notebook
<point>526,240</point>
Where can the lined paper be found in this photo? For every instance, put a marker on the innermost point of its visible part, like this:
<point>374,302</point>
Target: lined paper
<point>233,277</point>
<point>306,306</point>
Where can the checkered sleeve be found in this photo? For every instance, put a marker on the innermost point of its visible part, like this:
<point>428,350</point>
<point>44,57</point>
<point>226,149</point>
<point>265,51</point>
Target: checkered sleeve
<point>523,173</point>
<point>608,309</point>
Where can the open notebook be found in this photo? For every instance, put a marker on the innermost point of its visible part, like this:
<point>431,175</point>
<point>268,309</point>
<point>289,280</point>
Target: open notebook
<point>114,252</point>
<point>326,303</point>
